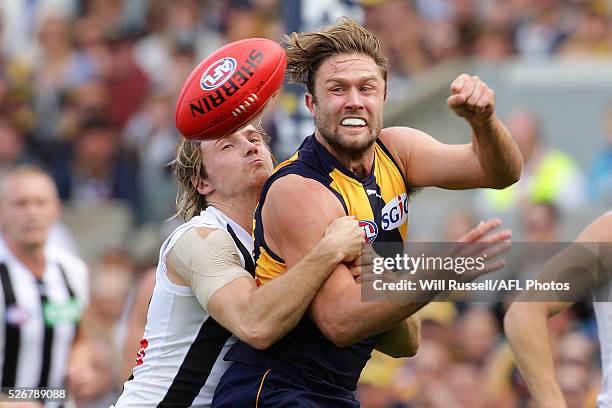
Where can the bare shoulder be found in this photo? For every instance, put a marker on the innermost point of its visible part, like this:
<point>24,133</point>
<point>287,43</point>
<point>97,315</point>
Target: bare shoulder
<point>295,214</point>
<point>294,195</point>
<point>393,133</point>
<point>600,230</point>
<point>400,141</point>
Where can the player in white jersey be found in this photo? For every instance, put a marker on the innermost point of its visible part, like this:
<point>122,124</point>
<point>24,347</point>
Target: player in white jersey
<point>43,289</point>
<point>526,325</point>
<point>205,296</point>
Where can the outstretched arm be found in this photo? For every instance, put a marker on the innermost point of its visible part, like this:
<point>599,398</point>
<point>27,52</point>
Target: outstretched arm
<point>526,322</point>
<point>526,327</point>
<point>492,159</point>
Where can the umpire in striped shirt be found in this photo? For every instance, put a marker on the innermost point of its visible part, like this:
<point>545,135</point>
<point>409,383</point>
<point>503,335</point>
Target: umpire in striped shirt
<point>43,292</point>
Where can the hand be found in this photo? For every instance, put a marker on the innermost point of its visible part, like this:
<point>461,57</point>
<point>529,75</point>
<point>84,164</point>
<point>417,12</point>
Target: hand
<point>483,244</point>
<point>364,260</point>
<point>472,99</point>
<point>90,373</point>
<point>83,382</point>
<point>345,234</point>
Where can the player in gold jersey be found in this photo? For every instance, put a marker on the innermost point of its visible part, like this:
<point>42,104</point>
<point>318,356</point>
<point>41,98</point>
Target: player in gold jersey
<point>351,165</point>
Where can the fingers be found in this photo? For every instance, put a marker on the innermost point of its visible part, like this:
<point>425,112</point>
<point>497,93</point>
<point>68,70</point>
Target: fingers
<point>498,249</point>
<point>366,257</point>
<point>489,267</point>
<point>486,100</point>
<point>465,85</point>
<point>471,97</point>
<point>458,83</point>
<point>482,229</point>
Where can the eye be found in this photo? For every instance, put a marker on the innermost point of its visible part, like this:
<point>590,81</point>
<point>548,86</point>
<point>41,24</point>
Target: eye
<point>366,88</point>
<point>337,89</point>
<point>227,146</point>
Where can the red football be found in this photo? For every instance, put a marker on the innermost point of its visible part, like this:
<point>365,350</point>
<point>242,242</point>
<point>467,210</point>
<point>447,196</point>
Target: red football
<point>230,88</point>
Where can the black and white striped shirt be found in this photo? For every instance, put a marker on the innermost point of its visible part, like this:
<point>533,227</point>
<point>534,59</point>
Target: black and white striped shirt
<point>40,318</point>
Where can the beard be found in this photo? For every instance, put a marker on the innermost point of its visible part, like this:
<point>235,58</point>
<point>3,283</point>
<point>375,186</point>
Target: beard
<point>350,149</point>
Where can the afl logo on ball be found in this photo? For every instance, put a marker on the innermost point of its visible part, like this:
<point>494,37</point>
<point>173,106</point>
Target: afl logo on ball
<point>219,72</point>
<point>370,228</point>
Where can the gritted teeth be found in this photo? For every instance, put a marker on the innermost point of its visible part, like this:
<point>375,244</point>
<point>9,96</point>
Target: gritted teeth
<point>353,122</point>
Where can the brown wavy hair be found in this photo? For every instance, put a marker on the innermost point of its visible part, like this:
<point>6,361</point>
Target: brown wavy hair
<point>307,51</point>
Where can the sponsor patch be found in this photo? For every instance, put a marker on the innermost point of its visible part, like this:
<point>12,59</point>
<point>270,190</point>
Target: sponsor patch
<point>16,315</point>
<point>395,212</point>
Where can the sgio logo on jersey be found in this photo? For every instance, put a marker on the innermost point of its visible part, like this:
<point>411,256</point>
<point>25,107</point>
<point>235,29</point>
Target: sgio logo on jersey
<point>395,212</point>
<point>219,72</point>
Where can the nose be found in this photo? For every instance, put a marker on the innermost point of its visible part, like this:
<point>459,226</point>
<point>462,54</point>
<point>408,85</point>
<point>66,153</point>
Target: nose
<point>353,100</point>
<point>251,148</point>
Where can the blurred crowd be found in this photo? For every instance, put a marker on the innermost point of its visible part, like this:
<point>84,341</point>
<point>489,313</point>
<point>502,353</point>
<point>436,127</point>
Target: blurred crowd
<point>464,359</point>
<point>87,91</point>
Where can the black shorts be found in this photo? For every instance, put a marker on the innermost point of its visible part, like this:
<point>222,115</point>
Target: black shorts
<point>245,385</point>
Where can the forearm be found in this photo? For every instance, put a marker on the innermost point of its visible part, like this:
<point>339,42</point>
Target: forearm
<point>527,332</point>
<point>402,340</point>
<point>335,315</point>
<point>497,152</point>
<point>276,307</point>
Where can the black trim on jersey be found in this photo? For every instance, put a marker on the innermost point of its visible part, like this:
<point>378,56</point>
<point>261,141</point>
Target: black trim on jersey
<point>388,153</point>
<point>411,191</point>
<point>72,296</point>
<point>299,168</point>
<point>12,333</point>
<point>303,170</point>
<point>47,339</point>
<point>68,287</point>
<point>248,258</point>
<point>196,366</point>
<point>331,162</point>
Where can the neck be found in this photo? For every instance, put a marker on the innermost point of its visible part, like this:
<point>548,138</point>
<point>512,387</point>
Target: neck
<point>239,210</point>
<point>359,163</point>
<point>32,257</point>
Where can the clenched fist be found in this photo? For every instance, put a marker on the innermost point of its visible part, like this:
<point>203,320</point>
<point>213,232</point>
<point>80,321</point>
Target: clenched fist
<point>471,99</point>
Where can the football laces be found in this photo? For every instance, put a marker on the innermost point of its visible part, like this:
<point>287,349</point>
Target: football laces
<point>245,105</point>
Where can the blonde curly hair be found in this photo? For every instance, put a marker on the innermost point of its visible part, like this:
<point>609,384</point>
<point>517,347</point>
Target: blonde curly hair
<point>188,168</point>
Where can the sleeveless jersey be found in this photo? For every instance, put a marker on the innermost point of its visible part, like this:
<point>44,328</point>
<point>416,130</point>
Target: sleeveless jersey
<point>380,202</point>
<point>180,360</point>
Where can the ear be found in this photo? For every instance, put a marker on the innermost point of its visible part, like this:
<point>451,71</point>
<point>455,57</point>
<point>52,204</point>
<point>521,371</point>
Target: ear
<point>204,187</point>
<point>310,100</point>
